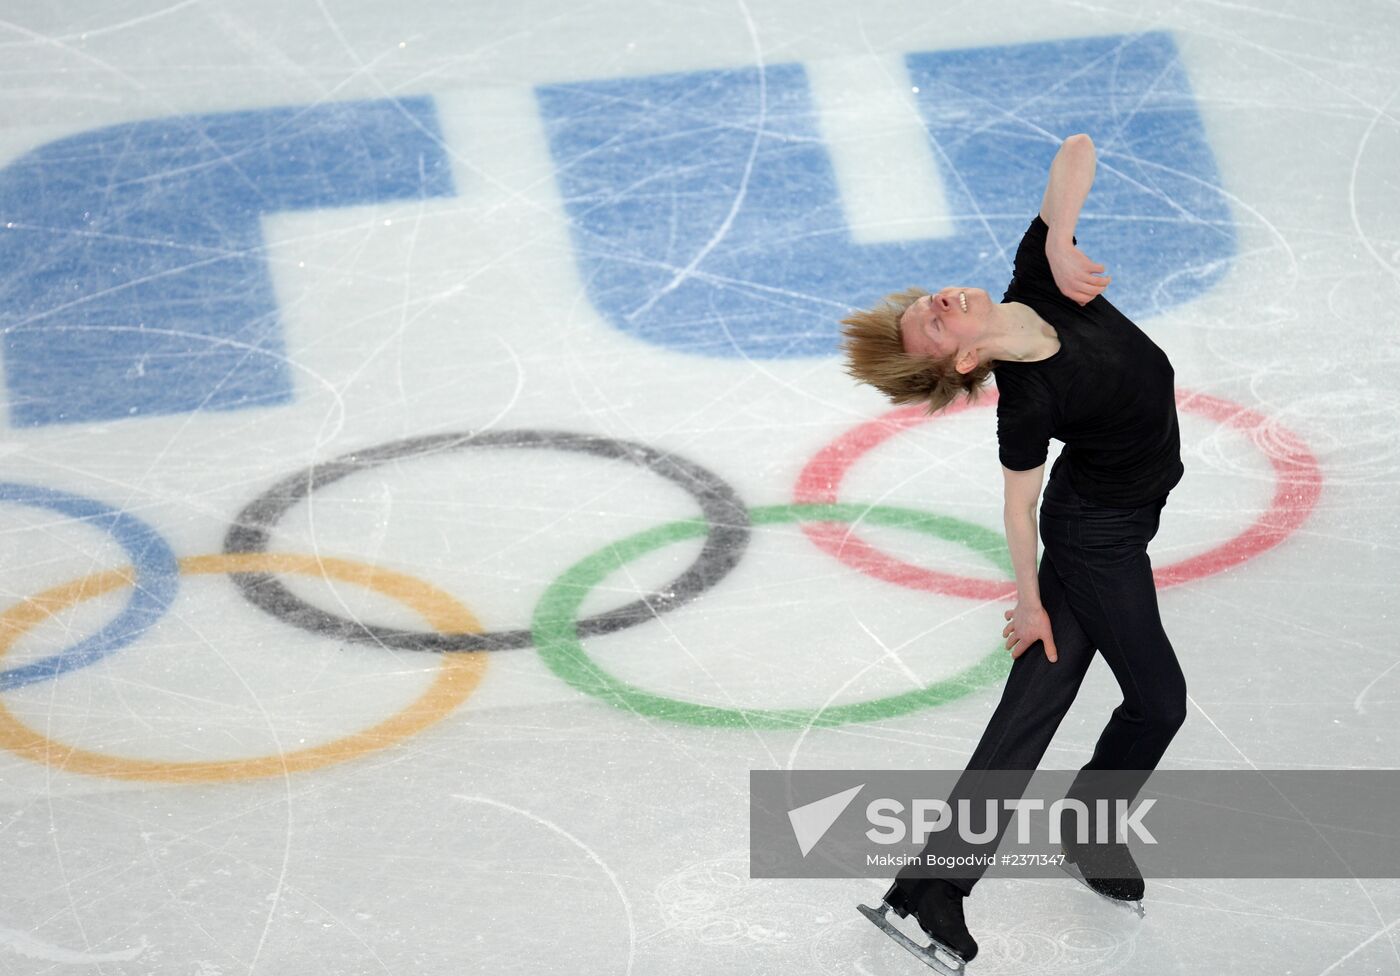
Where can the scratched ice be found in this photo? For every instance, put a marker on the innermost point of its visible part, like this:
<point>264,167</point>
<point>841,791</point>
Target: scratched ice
<point>400,402</point>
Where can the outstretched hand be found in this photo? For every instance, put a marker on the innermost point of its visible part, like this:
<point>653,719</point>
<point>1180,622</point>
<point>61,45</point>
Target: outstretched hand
<point>1028,625</point>
<point>1077,277</point>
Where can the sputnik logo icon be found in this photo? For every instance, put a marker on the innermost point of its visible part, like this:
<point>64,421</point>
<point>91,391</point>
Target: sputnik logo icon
<point>811,821</point>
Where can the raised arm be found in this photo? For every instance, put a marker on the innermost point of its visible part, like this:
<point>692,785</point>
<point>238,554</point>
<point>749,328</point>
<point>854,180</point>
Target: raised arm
<point>1071,176</point>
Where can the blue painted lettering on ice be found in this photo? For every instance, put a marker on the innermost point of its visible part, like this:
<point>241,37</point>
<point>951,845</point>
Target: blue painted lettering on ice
<point>706,217</point>
<point>703,206</point>
<point>132,273</point>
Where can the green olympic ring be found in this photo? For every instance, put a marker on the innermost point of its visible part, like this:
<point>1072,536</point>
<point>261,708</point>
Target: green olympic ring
<point>556,636</point>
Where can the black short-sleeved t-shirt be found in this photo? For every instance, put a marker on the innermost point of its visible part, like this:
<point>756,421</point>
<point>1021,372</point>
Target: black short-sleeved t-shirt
<point>1107,394</point>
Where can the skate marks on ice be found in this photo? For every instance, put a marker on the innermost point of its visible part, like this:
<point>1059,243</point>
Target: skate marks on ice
<point>715,902</point>
<point>1059,941</point>
<point>26,945</point>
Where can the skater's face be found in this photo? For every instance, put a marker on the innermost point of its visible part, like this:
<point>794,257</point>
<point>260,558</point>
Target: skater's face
<point>936,327</point>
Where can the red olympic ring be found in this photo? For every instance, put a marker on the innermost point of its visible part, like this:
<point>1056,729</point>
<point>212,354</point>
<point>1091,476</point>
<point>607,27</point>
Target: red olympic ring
<point>1298,483</point>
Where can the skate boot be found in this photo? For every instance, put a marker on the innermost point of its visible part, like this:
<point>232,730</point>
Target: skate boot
<point>1108,869</point>
<point>939,913</point>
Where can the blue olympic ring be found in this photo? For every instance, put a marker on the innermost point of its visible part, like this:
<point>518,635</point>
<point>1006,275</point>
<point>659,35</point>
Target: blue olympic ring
<point>157,581</point>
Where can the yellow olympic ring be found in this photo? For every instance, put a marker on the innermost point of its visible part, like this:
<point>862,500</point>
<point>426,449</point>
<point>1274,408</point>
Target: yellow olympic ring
<point>455,681</point>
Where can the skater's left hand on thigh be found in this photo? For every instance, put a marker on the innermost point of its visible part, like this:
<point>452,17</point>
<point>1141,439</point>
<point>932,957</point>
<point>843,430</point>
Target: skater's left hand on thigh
<point>1027,625</point>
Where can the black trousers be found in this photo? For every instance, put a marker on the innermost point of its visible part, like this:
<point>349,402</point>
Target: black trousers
<point>1096,585</point>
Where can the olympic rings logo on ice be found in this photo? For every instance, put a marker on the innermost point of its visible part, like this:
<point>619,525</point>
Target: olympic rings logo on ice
<point>556,629</point>
<point>456,678</point>
<point>1297,484</point>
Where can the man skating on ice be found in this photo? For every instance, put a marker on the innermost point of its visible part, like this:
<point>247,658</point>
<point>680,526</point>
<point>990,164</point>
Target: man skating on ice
<point>1070,366</point>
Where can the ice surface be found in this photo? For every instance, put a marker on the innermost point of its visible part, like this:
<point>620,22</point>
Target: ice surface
<point>248,246</point>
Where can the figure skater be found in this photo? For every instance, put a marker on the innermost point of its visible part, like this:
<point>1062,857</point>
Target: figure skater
<point>1068,365</point>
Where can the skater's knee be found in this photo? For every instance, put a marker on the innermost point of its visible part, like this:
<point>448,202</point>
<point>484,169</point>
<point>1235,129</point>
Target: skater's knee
<point>1164,712</point>
<point>1175,717</point>
<point>1169,713</point>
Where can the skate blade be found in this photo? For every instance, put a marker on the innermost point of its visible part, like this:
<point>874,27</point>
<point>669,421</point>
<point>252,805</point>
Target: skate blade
<point>930,955</point>
<point>1072,869</point>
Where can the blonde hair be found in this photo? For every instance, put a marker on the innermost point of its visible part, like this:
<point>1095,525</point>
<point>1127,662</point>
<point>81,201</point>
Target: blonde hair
<point>875,354</point>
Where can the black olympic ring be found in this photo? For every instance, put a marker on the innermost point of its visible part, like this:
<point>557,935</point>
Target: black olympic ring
<point>727,515</point>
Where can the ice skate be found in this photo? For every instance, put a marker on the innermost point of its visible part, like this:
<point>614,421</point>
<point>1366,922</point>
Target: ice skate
<point>1107,870</point>
<point>940,916</point>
